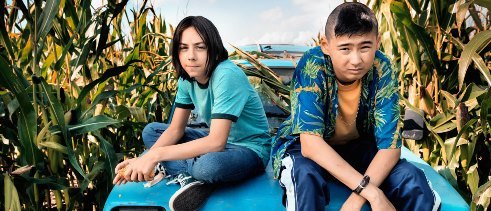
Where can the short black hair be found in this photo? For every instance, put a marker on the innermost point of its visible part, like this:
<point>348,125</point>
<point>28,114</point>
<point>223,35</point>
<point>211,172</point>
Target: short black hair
<point>210,36</point>
<point>351,18</point>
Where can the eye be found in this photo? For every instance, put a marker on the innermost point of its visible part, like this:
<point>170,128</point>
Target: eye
<point>366,48</point>
<point>201,47</point>
<point>344,50</point>
<point>183,47</point>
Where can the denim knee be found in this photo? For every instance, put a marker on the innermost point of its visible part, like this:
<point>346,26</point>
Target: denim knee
<point>152,132</point>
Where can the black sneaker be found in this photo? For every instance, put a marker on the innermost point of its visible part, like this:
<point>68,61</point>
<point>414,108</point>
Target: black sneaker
<point>191,195</point>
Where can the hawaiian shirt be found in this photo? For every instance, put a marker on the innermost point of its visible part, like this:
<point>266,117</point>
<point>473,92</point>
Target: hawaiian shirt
<point>314,103</point>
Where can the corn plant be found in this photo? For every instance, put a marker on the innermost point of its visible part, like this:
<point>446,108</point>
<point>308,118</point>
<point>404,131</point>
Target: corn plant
<point>76,91</point>
<point>442,49</point>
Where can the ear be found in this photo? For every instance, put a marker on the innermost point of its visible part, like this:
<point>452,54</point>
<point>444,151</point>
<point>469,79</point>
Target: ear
<point>324,45</point>
<point>379,38</point>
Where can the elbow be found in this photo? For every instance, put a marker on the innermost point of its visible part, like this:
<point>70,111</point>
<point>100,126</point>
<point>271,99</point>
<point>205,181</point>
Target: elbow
<point>305,149</point>
<point>397,153</point>
<point>216,145</point>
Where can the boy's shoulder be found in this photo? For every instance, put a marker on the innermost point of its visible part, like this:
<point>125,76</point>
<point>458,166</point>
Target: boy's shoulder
<point>383,65</point>
<point>314,52</point>
<point>381,58</point>
<point>312,56</point>
<point>227,69</point>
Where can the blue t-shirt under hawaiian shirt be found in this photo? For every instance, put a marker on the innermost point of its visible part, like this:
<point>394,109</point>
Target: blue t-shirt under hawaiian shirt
<point>229,95</point>
<point>314,102</point>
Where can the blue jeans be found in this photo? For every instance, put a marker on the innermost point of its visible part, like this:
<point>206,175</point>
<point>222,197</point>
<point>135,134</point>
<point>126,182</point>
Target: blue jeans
<point>234,163</point>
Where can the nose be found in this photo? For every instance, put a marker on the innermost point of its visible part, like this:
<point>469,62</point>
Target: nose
<point>356,58</point>
<point>191,54</point>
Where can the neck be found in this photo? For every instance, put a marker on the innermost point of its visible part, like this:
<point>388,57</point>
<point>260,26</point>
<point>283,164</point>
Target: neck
<point>345,83</point>
<point>202,80</point>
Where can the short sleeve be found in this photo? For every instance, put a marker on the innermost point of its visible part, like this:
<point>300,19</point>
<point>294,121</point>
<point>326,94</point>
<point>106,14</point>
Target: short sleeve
<point>231,90</point>
<point>183,99</point>
<point>308,97</point>
<point>387,109</point>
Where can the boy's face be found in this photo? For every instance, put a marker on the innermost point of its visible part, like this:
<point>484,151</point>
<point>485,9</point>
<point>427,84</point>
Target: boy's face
<point>352,57</point>
<point>193,54</point>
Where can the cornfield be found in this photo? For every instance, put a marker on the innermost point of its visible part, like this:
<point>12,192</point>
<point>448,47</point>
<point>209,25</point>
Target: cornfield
<point>77,89</point>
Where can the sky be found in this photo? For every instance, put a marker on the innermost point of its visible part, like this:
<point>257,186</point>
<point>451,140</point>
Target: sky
<point>242,22</point>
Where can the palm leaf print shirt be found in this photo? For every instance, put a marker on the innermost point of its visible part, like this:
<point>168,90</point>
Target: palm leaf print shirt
<point>314,103</point>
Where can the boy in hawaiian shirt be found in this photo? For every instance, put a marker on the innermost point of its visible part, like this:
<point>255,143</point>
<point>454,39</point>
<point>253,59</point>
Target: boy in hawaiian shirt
<point>344,124</point>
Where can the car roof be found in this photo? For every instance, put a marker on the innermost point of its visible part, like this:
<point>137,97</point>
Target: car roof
<point>276,48</point>
<point>271,63</point>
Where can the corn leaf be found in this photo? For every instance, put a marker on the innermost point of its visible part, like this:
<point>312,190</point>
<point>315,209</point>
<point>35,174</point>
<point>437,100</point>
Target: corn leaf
<point>58,114</point>
<point>472,91</point>
<point>46,19</point>
<point>53,145</point>
<point>12,201</point>
<point>475,45</point>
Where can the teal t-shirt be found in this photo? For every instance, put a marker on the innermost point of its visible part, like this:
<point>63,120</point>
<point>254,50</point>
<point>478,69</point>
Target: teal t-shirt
<point>229,95</point>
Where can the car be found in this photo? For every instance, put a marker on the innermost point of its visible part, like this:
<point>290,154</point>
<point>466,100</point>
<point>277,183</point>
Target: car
<point>263,192</point>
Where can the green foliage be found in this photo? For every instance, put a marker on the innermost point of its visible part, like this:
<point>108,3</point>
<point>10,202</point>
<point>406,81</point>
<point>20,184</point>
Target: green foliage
<point>75,92</point>
<point>442,49</point>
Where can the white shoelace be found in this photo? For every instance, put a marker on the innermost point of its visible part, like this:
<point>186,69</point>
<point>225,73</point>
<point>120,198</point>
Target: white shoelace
<point>181,179</point>
<point>159,175</point>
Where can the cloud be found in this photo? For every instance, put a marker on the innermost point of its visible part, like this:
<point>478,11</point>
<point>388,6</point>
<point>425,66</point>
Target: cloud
<point>272,14</point>
<point>295,23</point>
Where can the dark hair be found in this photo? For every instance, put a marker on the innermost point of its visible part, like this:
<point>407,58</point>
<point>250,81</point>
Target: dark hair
<point>210,36</point>
<point>351,18</point>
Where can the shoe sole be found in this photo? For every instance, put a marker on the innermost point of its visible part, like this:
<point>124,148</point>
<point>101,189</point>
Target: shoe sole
<point>190,197</point>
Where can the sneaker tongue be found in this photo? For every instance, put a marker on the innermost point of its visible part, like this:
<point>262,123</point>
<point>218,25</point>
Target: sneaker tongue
<point>185,179</point>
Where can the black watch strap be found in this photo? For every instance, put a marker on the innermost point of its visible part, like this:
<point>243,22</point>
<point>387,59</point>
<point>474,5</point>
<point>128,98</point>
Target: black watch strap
<point>363,184</point>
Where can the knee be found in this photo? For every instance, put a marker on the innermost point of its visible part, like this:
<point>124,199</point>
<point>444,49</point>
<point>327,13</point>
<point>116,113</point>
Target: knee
<point>414,181</point>
<point>410,189</point>
<point>207,169</point>
<point>411,175</point>
<point>151,132</point>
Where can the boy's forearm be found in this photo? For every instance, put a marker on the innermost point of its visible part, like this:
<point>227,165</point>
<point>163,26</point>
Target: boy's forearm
<point>168,137</point>
<point>382,164</point>
<point>215,141</point>
<point>316,149</point>
<point>380,167</point>
<point>185,150</point>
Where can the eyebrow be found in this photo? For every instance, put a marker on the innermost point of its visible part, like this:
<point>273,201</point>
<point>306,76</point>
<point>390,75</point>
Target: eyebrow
<point>198,43</point>
<point>351,44</point>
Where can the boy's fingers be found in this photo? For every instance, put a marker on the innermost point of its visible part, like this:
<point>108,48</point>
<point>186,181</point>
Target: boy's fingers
<point>134,176</point>
<point>127,174</point>
<point>121,165</point>
<point>147,177</point>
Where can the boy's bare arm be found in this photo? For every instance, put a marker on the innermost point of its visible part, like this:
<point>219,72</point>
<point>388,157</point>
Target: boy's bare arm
<point>382,164</point>
<point>316,149</point>
<point>378,170</point>
<point>175,130</point>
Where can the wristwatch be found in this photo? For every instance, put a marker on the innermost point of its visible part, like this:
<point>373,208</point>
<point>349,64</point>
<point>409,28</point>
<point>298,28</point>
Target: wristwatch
<point>363,184</point>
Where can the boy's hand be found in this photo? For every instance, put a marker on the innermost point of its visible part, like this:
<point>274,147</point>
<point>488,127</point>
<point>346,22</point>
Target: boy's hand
<point>378,200</point>
<point>120,170</point>
<point>140,169</point>
<point>354,202</point>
